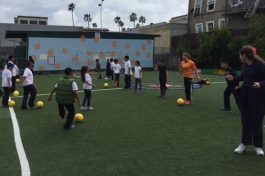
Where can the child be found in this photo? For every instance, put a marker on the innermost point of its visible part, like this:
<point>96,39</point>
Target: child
<point>108,69</point>
<point>117,70</point>
<point>231,86</point>
<point>66,93</point>
<point>28,87</point>
<point>138,76</point>
<point>98,69</point>
<point>111,68</point>
<point>87,86</point>
<point>128,72</point>
<point>7,83</point>
<point>163,76</point>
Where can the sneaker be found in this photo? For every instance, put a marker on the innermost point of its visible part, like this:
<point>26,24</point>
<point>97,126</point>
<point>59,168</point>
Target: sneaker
<point>68,128</point>
<point>240,149</point>
<point>188,102</point>
<point>258,151</point>
<point>226,109</point>
<point>83,108</point>
<point>90,108</point>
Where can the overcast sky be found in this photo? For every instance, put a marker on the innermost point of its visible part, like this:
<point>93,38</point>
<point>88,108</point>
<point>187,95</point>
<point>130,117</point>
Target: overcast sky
<point>57,10</point>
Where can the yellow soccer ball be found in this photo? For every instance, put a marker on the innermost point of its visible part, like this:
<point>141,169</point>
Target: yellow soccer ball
<point>11,103</point>
<point>106,85</point>
<point>39,104</point>
<point>17,80</point>
<point>16,93</point>
<point>180,102</point>
<point>79,118</point>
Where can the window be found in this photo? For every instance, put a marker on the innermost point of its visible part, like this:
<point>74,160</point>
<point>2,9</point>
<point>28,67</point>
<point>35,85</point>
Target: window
<point>42,22</point>
<point>235,3</point>
<point>23,21</point>
<point>33,22</point>
<point>197,7</point>
<point>211,5</point>
<point>222,24</point>
<point>209,26</point>
<point>199,28</point>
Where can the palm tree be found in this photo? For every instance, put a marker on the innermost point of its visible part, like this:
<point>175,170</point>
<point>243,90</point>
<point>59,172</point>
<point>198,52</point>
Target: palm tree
<point>94,25</point>
<point>88,19</point>
<point>133,18</point>
<point>123,29</point>
<point>71,7</point>
<point>142,20</point>
<point>117,19</point>
<point>121,24</point>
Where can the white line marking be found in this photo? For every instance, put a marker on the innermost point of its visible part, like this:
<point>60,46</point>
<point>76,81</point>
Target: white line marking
<point>24,164</point>
<point>96,90</point>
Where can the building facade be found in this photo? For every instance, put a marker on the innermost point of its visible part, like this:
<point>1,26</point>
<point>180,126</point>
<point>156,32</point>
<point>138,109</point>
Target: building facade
<point>206,15</point>
<point>31,20</point>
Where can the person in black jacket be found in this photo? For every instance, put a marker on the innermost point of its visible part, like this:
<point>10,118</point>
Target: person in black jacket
<point>252,100</point>
<point>231,87</point>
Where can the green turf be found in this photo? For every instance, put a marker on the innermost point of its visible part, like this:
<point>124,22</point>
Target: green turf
<point>132,135</point>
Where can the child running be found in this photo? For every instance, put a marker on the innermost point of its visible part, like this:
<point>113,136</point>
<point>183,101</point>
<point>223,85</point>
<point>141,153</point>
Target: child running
<point>138,77</point>
<point>87,86</point>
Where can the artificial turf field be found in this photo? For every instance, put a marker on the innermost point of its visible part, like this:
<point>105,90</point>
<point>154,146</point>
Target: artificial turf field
<point>130,134</point>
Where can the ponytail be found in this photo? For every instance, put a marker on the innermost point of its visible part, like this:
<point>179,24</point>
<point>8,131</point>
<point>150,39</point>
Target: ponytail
<point>251,53</point>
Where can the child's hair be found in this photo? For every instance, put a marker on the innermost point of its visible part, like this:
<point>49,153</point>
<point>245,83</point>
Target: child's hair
<point>126,57</point>
<point>111,59</point>
<point>115,60</point>
<point>250,53</point>
<point>84,70</point>
<point>67,70</point>
<point>186,55</point>
<point>138,63</point>
<point>97,60</point>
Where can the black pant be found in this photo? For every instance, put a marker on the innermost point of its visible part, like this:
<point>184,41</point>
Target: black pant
<point>163,87</point>
<point>87,98</point>
<point>13,88</point>
<point>30,89</point>
<point>188,88</point>
<point>138,81</point>
<point>70,116</point>
<point>127,80</point>
<point>117,80</point>
<point>252,127</point>
<point>228,91</point>
<point>6,94</point>
<point>111,74</point>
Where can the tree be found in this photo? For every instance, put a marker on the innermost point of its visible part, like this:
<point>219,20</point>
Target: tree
<point>94,25</point>
<point>71,7</point>
<point>117,20</point>
<point>133,18</point>
<point>121,24</point>
<point>256,34</point>
<point>88,19</point>
<point>142,20</point>
<point>123,29</point>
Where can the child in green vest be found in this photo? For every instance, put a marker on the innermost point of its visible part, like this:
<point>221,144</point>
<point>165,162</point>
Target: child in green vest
<point>66,93</point>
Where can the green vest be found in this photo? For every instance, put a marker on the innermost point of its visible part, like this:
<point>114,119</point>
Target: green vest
<point>64,93</point>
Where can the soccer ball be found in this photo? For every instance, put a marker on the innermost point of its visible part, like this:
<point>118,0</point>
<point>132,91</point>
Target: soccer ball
<point>106,85</point>
<point>16,93</point>
<point>180,102</point>
<point>39,104</point>
<point>79,118</point>
<point>17,80</point>
<point>11,103</point>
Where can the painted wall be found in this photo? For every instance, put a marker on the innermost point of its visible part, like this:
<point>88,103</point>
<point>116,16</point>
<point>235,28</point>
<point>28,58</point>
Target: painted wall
<point>58,53</point>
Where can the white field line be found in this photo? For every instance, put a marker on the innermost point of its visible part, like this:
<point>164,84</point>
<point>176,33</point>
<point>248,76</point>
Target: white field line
<point>96,90</point>
<point>24,164</point>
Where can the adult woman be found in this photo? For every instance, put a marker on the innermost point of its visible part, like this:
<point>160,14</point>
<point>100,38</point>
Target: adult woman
<point>188,69</point>
<point>251,100</point>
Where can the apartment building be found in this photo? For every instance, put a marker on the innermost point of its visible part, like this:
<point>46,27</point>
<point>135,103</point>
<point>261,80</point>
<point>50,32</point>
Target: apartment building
<point>206,15</point>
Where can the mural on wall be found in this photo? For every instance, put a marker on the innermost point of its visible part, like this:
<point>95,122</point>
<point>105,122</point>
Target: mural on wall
<point>58,53</point>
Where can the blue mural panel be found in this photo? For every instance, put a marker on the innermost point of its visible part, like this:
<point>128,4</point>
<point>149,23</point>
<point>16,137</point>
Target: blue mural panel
<point>58,53</point>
